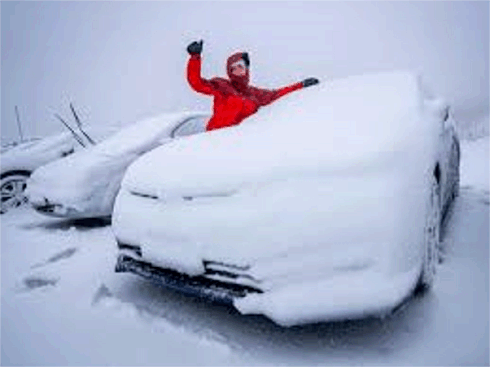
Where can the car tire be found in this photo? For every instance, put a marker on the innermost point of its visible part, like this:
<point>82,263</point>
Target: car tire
<point>432,234</point>
<point>12,187</point>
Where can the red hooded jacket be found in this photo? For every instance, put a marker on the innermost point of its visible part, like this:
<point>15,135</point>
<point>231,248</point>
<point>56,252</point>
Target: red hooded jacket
<point>234,99</point>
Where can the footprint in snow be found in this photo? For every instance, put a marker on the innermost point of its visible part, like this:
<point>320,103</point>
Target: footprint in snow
<point>33,282</point>
<point>57,257</point>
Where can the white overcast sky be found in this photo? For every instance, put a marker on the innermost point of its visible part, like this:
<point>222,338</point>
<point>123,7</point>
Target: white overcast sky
<point>119,62</point>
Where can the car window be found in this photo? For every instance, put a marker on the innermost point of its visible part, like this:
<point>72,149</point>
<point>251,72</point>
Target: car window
<point>191,126</point>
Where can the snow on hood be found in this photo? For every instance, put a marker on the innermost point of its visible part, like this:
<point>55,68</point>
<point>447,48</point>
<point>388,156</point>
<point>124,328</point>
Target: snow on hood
<point>31,155</point>
<point>78,177</point>
<point>341,123</point>
<point>40,151</point>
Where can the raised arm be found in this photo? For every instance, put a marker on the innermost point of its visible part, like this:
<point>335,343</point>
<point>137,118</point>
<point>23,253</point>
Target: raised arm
<point>194,78</point>
<point>266,97</point>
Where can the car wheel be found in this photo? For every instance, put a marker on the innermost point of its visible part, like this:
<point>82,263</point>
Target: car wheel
<point>431,238</point>
<point>12,187</point>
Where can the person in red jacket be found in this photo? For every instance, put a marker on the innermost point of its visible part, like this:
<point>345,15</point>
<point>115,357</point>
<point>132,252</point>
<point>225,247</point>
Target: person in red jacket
<point>234,99</point>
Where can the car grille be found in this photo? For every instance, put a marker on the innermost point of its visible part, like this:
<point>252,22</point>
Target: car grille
<point>229,273</point>
<point>220,283</point>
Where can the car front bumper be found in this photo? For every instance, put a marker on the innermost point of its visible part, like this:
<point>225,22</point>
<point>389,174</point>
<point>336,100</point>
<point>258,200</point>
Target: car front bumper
<point>200,286</point>
<point>56,210</point>
<point>345,295</point>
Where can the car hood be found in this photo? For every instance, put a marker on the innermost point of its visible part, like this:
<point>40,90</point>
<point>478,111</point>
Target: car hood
<point>30,155</point>
<point>340,127</point>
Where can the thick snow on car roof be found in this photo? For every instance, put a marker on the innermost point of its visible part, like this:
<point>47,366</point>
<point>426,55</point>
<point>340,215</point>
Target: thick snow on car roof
<point>341,123</point>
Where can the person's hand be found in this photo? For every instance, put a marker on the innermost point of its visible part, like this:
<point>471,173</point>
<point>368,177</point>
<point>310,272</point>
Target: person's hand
<point>309,82</point>
<point>195,48</point>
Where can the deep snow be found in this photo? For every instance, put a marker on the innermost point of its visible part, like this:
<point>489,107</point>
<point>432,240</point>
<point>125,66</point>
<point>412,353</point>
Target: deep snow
<point>63,305</point>
<point>322,217</point>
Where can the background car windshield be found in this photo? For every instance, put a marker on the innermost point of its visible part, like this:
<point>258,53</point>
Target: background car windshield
<point>191,126</point>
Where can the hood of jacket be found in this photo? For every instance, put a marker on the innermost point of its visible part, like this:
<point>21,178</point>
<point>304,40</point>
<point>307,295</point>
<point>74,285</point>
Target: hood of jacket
<point>239,82</point>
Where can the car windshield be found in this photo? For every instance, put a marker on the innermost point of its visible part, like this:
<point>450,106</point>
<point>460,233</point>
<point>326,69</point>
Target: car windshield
<point>191,126</point>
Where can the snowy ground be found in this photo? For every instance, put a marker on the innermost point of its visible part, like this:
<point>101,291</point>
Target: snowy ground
<point>63,305</point>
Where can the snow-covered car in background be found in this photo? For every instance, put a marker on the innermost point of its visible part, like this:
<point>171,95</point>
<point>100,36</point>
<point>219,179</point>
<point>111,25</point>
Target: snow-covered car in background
<point>85,184</point>
<point>19,160</point>
<point>326,205</point>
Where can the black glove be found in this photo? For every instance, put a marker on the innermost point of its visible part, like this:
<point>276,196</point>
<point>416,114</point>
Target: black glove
<point>246,59</point>
<point>195,48</point>
<point>310,81</point>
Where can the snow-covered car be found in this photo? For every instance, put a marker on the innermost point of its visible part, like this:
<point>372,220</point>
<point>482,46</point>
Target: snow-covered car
<point>20,160</point>
<point>326,205</point>
<point>85,184</point>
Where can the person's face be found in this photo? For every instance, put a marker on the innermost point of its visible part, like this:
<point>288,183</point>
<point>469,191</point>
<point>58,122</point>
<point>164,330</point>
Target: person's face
<point>239,68</point>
